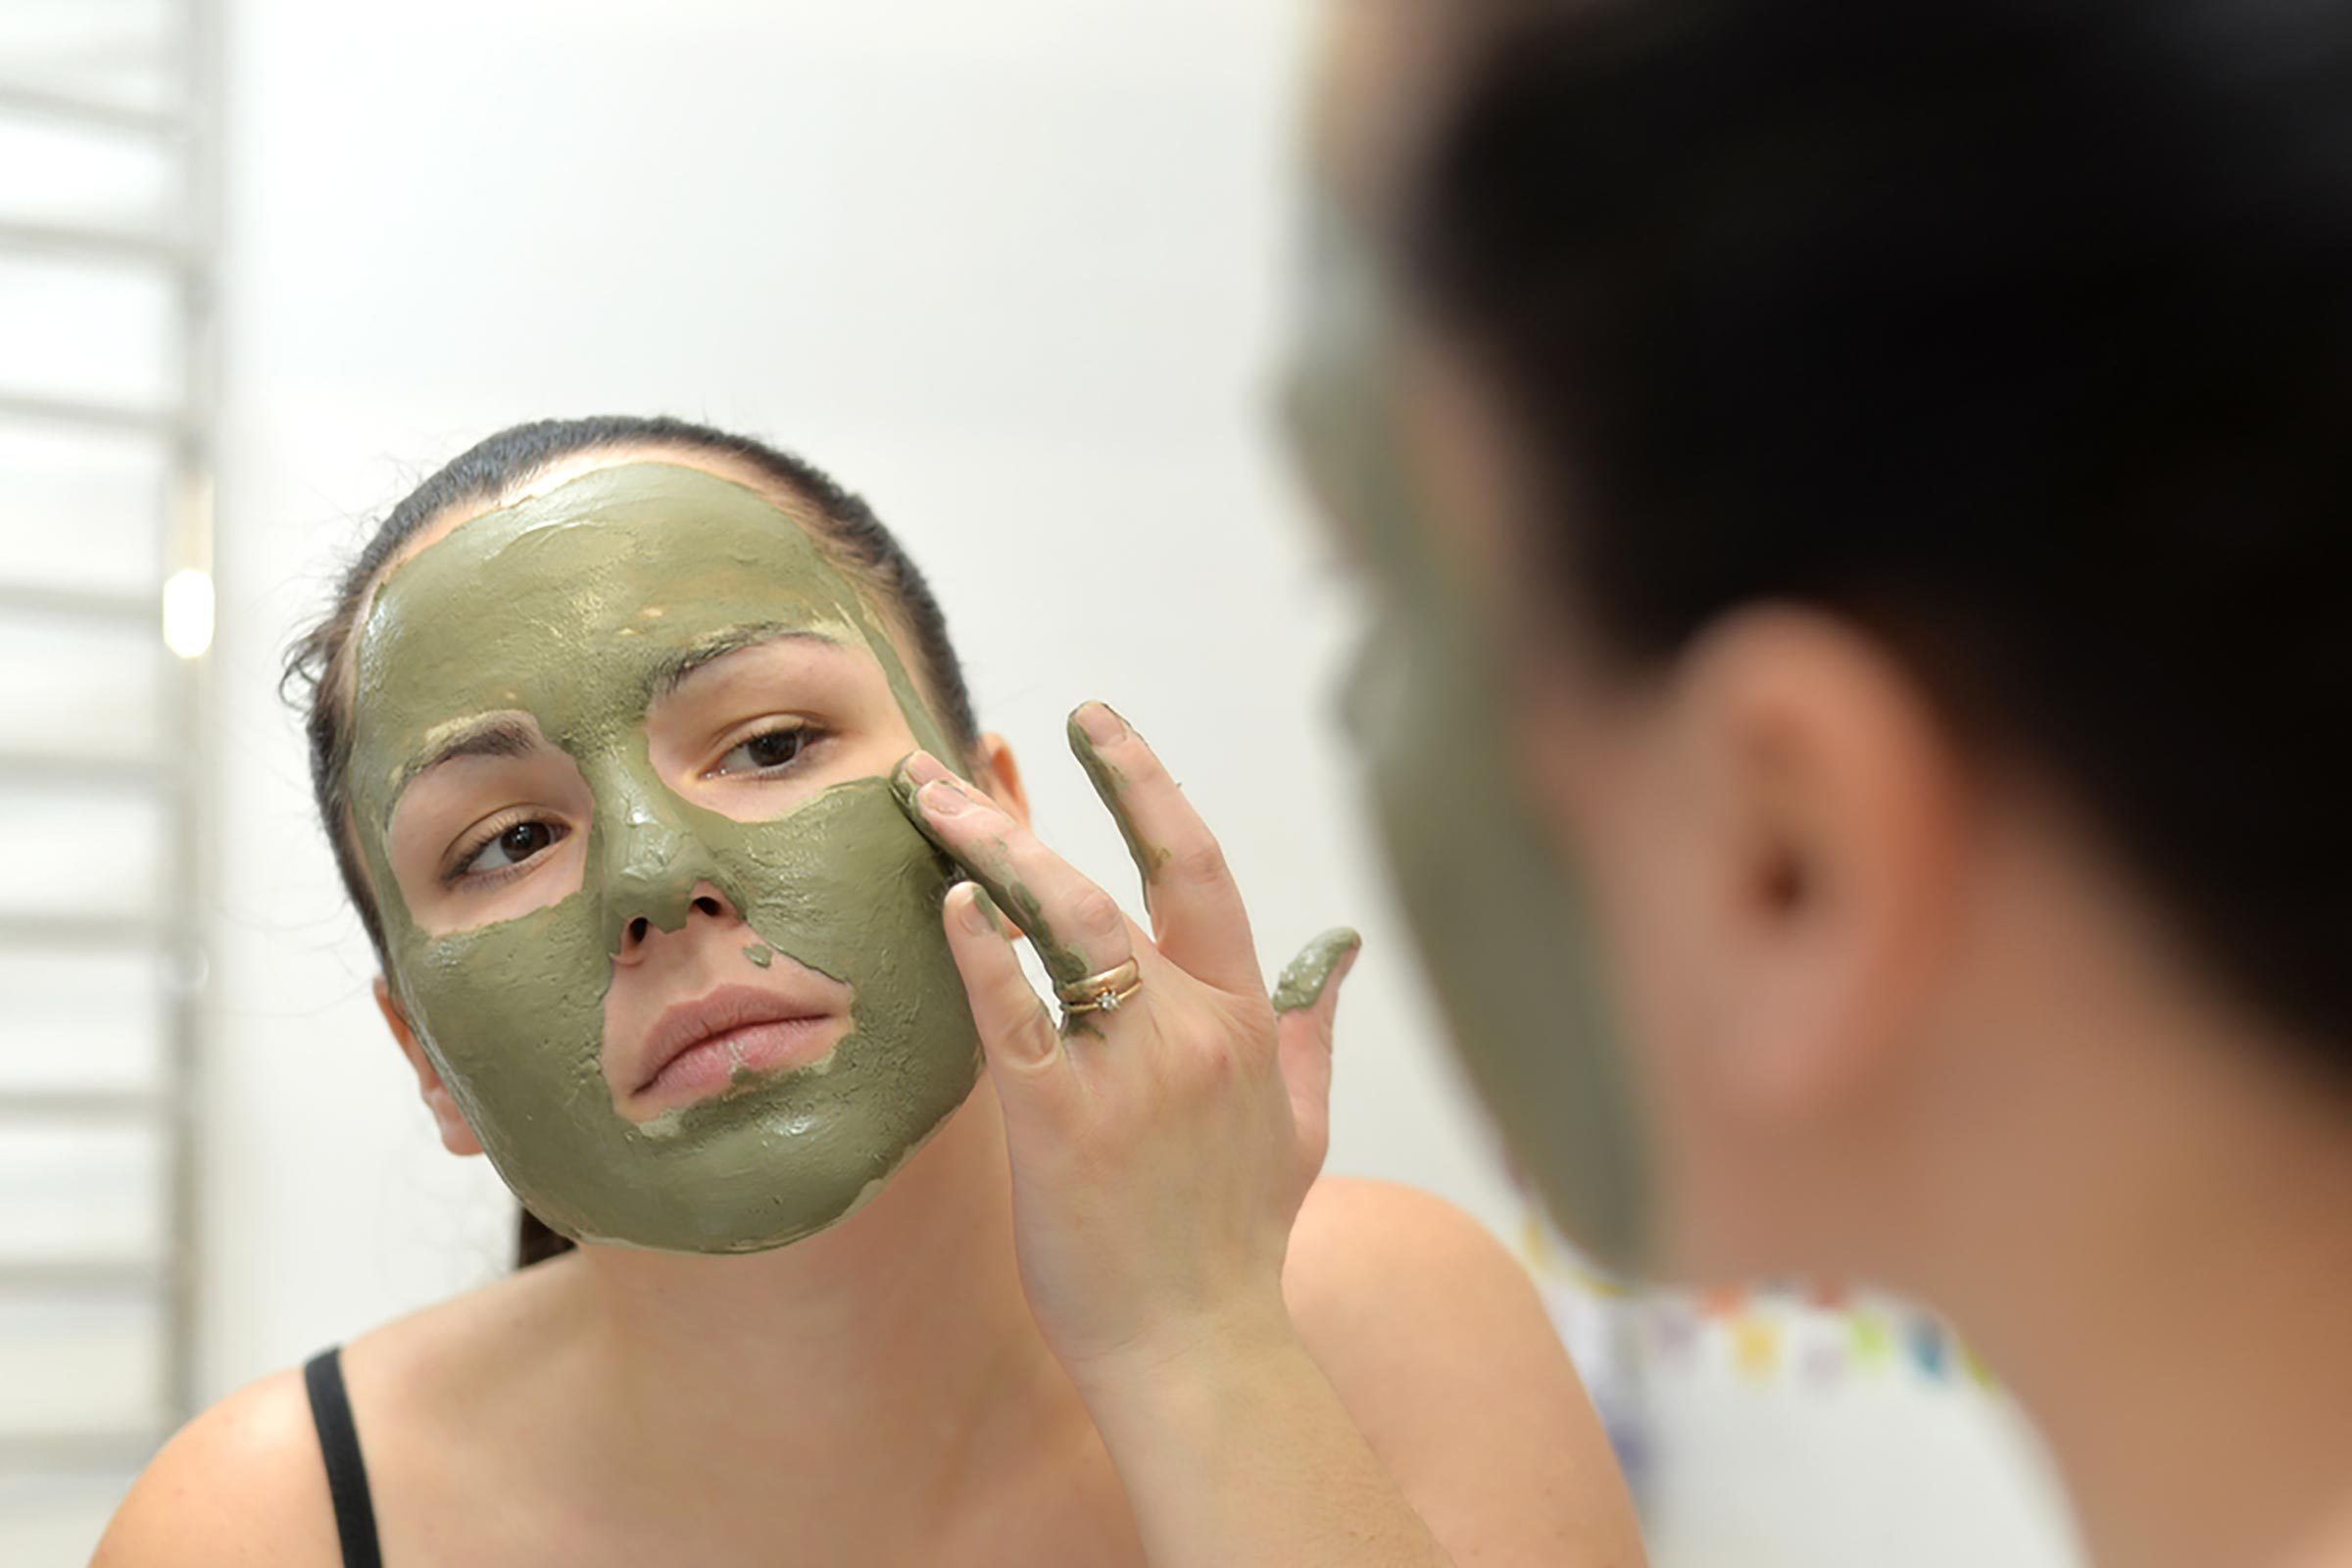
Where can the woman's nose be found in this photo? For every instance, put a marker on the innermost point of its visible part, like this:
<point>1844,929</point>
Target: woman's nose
<point>656,872</point>
<point>704,899</point>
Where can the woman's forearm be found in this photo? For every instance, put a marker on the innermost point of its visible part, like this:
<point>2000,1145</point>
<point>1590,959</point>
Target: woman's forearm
<point>1236,1452</point>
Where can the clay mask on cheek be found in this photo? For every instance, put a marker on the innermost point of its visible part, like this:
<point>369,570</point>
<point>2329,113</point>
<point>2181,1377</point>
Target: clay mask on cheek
<point>1502,929</point>
<point>572,608</point>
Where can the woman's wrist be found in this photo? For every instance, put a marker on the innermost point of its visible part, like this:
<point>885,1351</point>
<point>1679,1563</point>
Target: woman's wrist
<point>1235,1449</point>
<point>1186,1356</point>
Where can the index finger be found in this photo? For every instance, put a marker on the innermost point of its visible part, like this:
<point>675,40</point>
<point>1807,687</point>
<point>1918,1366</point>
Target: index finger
<point>1077,929</point>
<point>1197,919</point>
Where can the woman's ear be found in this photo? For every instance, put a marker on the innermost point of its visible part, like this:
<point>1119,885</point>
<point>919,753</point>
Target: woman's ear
<point>1838,815</point>
<point>999,775</point>
<point>456,1135</point>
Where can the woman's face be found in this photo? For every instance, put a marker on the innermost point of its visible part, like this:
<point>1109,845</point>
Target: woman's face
<point>619,761</point>
<point>1503,933</point>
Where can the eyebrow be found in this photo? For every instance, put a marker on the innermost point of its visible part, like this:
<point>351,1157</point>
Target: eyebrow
<point>509,736</point>
<point>678,669</point>
<point>504,736</point>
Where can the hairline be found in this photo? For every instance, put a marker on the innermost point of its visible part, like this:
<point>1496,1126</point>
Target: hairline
<point>342,674</point>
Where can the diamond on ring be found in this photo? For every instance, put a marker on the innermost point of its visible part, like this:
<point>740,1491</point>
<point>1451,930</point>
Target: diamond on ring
<point>1106,991</point>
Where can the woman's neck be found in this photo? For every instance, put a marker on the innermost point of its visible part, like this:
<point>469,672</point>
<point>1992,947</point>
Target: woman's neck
<point>901,1333</point>
<point>2172,1306</point>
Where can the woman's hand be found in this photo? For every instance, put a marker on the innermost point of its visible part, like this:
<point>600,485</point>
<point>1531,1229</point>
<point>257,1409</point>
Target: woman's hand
<point>1159,1151</point>
<point>1159,1154</point>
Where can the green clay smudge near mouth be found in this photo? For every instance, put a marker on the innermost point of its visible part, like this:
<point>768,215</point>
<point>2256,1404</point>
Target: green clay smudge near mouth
<point>545,608</point>
<point>760,954</point>
<point>1304,977</point>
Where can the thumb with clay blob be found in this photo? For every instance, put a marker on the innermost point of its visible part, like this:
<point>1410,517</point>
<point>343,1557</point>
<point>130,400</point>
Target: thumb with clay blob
<point>1306,1005</point>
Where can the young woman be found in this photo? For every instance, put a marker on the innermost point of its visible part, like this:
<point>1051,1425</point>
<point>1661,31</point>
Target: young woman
<point>1856,496</point>
<point>608,728</point>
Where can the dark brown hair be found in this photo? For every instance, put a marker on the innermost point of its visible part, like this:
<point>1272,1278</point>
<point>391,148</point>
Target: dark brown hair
<point>2018,332</point>
<point>506,461</point>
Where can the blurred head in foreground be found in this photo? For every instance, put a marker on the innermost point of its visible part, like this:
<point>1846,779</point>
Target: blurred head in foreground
<point>1856,500</point>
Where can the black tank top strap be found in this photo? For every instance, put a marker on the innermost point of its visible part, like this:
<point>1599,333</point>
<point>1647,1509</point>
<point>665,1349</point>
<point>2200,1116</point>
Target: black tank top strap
<point>346,1471</point>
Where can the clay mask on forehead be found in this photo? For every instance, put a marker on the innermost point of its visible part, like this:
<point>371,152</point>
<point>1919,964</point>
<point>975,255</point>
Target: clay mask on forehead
<point>1501,930</point>
<point>572,609</point>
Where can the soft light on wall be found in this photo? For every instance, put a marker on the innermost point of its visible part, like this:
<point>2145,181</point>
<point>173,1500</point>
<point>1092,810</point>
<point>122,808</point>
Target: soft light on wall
<point>189,613</point>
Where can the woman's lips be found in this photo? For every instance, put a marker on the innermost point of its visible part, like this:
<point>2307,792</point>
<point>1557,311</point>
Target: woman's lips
<point>702,1047</point>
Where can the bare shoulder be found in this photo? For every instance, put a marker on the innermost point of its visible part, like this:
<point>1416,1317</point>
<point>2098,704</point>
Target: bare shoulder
<point>242,1484</point>
<point>1435,1338</point>
<point>1367,1257</point>
<point>245,1482</point>
<point>1388,1284</point>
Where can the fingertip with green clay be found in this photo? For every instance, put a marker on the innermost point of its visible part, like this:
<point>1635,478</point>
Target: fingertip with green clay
<point>1093,725</point>
<point>904,787</point>
<point>910,783</point>
<point>1305,978</point>
<point>1089,732</point>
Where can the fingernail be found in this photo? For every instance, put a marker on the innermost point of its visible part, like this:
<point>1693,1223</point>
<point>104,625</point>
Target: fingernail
<point>979,912</point>
<point>1102,725</point>
<point>922,768</point>
<point>942,797</point>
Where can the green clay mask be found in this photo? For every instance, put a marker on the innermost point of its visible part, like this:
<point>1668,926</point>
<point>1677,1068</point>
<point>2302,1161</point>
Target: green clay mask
<point>1501,928</point>
<point>573,609</point>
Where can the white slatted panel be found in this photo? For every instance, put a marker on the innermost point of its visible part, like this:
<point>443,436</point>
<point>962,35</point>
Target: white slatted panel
<point>79,687</point>
<point>80,1022</point>
<point>79,510</point>
<point>100,320</point>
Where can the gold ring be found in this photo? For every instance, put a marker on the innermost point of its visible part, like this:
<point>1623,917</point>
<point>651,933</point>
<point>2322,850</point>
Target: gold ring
<point>1106,991</point>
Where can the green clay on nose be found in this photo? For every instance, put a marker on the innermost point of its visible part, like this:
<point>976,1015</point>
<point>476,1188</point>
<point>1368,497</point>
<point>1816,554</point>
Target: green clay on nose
<point>573,609</point>
<point>1304,977</point>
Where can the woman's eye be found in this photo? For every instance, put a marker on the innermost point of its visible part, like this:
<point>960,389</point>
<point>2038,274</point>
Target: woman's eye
<point>512,847</point>
<point>770,748</point>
